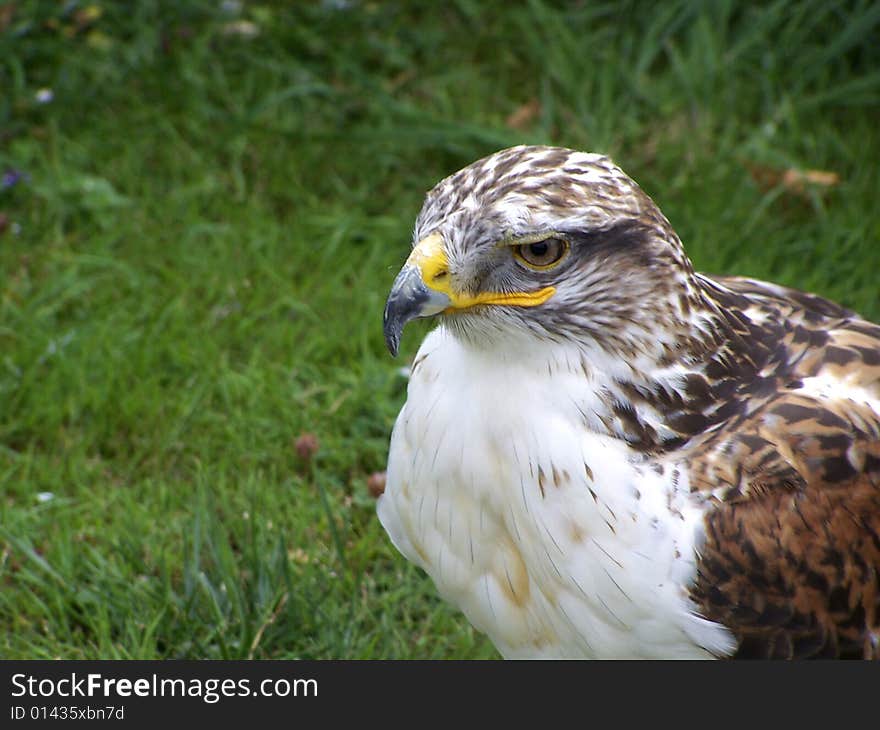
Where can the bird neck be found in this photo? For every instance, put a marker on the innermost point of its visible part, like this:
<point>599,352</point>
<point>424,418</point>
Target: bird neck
<point>676,389</point>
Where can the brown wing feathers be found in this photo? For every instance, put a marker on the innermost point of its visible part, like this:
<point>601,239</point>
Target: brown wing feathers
<point>792,555</point>
<point>791,561</point>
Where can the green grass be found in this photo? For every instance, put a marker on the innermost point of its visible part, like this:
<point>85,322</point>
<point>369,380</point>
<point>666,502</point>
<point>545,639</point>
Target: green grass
<point>193,273</point>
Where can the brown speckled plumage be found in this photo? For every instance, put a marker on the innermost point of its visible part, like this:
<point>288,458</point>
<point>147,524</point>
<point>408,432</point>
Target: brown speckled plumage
<point>792,556</point>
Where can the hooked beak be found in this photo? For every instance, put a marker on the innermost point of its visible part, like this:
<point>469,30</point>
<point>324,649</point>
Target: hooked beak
<point>410,295</point>
<point>409,298</point>
<point>424,288</point>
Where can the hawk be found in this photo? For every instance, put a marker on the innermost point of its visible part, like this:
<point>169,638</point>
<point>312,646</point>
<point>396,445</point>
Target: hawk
<point>605,454</point>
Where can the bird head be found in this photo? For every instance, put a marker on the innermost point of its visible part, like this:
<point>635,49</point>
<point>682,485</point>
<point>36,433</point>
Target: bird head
<point>542,242</point>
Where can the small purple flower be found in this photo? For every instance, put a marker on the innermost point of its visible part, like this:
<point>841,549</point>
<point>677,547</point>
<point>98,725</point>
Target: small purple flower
<point>11,178</point>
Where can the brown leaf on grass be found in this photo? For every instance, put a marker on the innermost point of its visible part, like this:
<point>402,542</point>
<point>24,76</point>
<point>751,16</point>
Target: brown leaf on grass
<point>797,180</point>
<point>7,11</point>
<point>306,445</point>
<point>792,180</point>
<point>522,117</point>
<point>376,484</point>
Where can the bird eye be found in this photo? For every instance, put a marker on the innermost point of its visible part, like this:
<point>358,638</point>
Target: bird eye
<point>541,254</point>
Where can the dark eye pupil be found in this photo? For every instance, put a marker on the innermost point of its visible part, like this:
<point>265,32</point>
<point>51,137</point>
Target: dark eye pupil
<point>539,249</point>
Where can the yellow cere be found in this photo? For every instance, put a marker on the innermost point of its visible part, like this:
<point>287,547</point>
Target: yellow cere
<point>429,256</point>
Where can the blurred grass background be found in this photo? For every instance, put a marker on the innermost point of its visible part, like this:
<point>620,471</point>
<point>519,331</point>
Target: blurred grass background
<point>202,207</point>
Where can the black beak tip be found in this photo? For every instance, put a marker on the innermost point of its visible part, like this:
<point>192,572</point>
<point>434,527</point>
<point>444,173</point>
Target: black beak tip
<point>391,328</point>
<point>392,342</point>
<point>405,302</point>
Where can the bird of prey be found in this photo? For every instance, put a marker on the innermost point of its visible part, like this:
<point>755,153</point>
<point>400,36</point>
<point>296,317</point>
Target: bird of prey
<point>605,454</point>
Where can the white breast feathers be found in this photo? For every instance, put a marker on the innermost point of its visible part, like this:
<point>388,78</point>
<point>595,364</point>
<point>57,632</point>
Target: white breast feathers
<point>553,538</point>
